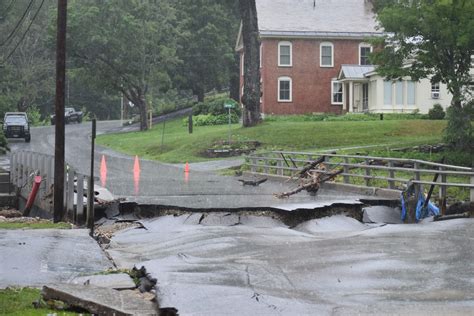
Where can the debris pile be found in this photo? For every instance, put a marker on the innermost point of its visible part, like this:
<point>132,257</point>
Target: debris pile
<point>103,233</point>
<point>311,177</point>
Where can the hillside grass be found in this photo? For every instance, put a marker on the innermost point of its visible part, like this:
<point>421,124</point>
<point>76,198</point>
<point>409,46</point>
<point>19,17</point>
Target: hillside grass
<point>179,146</point>
<point>19,302</point>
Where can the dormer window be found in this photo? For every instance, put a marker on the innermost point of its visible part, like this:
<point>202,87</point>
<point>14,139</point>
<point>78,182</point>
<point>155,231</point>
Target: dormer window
<point>364,53</point>
<point>326,55</point>
<point>285,58</point>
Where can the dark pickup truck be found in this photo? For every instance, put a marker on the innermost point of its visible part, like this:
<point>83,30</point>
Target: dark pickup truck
<point>16,125</point>
<point>70,115</point>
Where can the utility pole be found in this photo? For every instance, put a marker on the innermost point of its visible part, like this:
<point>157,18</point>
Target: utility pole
<point>59,111</point>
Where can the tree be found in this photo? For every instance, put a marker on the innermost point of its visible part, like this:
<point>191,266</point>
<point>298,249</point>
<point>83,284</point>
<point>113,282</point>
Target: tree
<point>431,39</point>
<point>251,96</point>
<point>206,39</point>
<point>27,73</point>
<point>127,46</point>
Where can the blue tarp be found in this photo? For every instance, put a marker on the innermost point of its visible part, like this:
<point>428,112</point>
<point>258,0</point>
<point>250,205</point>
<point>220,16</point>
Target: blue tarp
<point>430,210</point>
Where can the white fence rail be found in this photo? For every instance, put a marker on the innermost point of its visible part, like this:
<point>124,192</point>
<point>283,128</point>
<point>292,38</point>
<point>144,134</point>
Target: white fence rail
<point>24,165</point>
<point>372,170</point>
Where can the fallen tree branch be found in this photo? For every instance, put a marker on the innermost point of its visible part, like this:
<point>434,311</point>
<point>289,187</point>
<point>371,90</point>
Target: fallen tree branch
<point>311,179</point>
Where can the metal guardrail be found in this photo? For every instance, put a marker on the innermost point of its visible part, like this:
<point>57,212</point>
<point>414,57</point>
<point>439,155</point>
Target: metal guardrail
<point>24,165</point>
<point>286,163</point>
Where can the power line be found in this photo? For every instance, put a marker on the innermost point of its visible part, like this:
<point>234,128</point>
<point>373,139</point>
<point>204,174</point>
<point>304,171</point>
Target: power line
<point>17,26</point>
<point>24,34</point>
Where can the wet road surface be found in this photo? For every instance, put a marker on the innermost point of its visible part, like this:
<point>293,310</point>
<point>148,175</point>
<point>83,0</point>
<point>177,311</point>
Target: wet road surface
<point>329,266</point>
<point>46,256</point>
<point>165,184</point>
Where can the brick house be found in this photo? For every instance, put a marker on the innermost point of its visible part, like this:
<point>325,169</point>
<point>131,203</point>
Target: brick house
<point>314,59</point>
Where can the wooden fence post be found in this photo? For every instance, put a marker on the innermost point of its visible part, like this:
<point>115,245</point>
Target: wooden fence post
<point>279,167</point>
<point>391,174</point>
<point>253,161</point>
<point>417,177</point>
<point>367,172</point>
<point>442,189</point>
<point>80,199</point>
<point>346,170</point>
<point>265,165</point>
<point>472,189</point>
<point>51,165</point>
<point>12,169</point>
<point>70,193</point>
<point>29,164</point>
<point>90,202</point>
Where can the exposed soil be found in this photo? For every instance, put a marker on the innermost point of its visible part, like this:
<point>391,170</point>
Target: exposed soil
<point>222,149</point>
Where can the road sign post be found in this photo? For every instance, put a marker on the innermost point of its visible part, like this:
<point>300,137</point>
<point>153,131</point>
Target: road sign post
<point>229,106</point>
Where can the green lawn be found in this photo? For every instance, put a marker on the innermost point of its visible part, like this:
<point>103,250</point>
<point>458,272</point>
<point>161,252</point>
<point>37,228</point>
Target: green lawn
<point>179,146</point>
<point>19,302</point>
<point>41,225</point>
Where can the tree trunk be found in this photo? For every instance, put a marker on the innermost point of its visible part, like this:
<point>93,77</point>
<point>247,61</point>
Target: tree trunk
<point>234,82</point>
<point>138,98</point>
<point>459,131</point>
<point>22,105</point>
<point>251,97</point>
<point>200,94</point>
<point>143,113</point>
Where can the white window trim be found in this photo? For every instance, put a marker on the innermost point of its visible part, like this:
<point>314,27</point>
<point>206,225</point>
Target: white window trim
<point>435,92</point>
<point>280,44</point>
<point>397,85</point>
<point>321,54</point>
<point>261,55</point>
<point>413,83</point>
<point>332,92</point>
<point>291,89</point>
<point>391,92</point>
<point>363,45</point>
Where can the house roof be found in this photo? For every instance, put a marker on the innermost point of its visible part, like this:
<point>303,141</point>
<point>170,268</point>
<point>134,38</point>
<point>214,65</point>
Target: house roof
<point>355,72</point>
<point>321,18</point>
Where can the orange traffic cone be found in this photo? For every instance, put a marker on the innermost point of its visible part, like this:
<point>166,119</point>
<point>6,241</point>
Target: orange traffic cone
<point>186,167</point>
<point>136,175</point>
<point>103,171</point>
<point>136,166</point>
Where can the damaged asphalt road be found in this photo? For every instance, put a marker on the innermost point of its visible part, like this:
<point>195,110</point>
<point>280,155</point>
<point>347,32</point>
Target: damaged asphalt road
<point>244,264</point>
<point>329,266</point>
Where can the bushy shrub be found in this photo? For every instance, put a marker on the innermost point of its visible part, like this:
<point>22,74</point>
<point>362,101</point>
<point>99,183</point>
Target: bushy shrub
<point>215,106</point>
<point>436,112</point>
<point>469,109</point>
<point>170,101</point>
<point>459,130</point>
<point>330,117</point>
<point>209,119</point>
<point>3,144</point>
<point>34,116</point>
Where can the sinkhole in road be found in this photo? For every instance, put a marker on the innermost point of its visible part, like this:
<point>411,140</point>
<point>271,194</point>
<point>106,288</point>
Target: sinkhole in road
<point>237,216</point>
